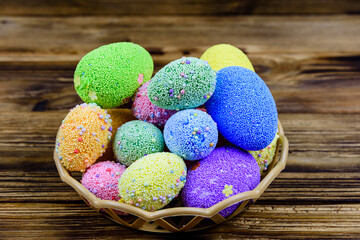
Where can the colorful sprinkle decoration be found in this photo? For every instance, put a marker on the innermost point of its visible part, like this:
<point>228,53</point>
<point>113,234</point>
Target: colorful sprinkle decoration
<point>170,108</point>
<point>194,78</point>
<point>85,148</point>
<point>227,190</point>
<point>163,169</point>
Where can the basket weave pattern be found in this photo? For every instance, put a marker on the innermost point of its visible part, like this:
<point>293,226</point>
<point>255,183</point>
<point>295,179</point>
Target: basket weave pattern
<point>176,218</point>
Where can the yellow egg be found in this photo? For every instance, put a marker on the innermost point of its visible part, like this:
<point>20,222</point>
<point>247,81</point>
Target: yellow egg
<point>225,55</point>
<point>152,181</point>
<point>264,157</point>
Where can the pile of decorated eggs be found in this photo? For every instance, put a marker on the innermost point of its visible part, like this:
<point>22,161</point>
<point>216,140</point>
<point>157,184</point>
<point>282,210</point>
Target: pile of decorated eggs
<point>181,112</point>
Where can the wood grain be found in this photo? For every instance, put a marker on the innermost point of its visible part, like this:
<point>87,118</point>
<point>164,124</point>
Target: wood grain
<point>264,34</point>
<point>260,221</point>
<point>306,72</point>
<point>172,7</point>
<point>306,51</point>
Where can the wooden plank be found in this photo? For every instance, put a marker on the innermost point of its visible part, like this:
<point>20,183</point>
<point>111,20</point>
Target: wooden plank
<point>321,144</point>
<point>310,221</point>
<point>62,221</point>
<point>300,83</point>
<point>310,63</point>
<point>304,76</point>
<point>260,34</point>
<point>172,7</point>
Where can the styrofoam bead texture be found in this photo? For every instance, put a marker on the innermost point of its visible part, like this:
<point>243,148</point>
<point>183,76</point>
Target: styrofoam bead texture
<point>136,139</point>
<point>226,172</point>
<point>143,109</point>
<point>83,136</point>
<point>102,178</point>
<point>264,157</point>
<point>153,181</point>
<point>243,108</point>
<point>184,83</point>
<point>226,55</point>
<point>119,116</point>
<point>192,134</point>
<point>111,74</point>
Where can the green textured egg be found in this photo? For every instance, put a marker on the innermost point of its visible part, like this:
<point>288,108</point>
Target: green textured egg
<point>182,84</point>
<point>135,139</point>
<point>110,75</point>
<point>153,181</point>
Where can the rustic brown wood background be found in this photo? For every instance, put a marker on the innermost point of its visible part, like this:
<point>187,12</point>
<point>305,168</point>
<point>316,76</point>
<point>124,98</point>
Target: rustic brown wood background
<point>308,52</point>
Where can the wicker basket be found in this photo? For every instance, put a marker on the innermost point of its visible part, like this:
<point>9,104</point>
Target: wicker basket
<point>174,217</point>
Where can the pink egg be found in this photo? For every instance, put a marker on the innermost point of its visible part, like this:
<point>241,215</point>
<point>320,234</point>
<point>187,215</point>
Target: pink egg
<point>102,180</point>
<point>144,110</point>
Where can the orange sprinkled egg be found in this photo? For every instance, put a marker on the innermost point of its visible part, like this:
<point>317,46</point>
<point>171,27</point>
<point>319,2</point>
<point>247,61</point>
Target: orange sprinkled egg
<point>83,136</point>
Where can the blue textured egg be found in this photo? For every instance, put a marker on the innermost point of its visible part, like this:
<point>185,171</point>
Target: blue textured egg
<point>192,134</point>
<point>243,108</point>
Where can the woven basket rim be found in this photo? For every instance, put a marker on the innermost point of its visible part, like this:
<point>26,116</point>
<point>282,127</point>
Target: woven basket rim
<point>179,211</point>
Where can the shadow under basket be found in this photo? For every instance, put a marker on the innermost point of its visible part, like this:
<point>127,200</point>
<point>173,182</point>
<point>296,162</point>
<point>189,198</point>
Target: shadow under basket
<point>174,217</point>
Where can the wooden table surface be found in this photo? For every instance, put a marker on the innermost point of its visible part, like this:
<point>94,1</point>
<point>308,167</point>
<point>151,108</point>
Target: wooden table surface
<point>308,52</point>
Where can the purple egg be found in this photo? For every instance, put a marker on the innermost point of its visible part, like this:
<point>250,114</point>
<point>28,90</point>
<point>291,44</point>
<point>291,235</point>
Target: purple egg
<point>226,172</point>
